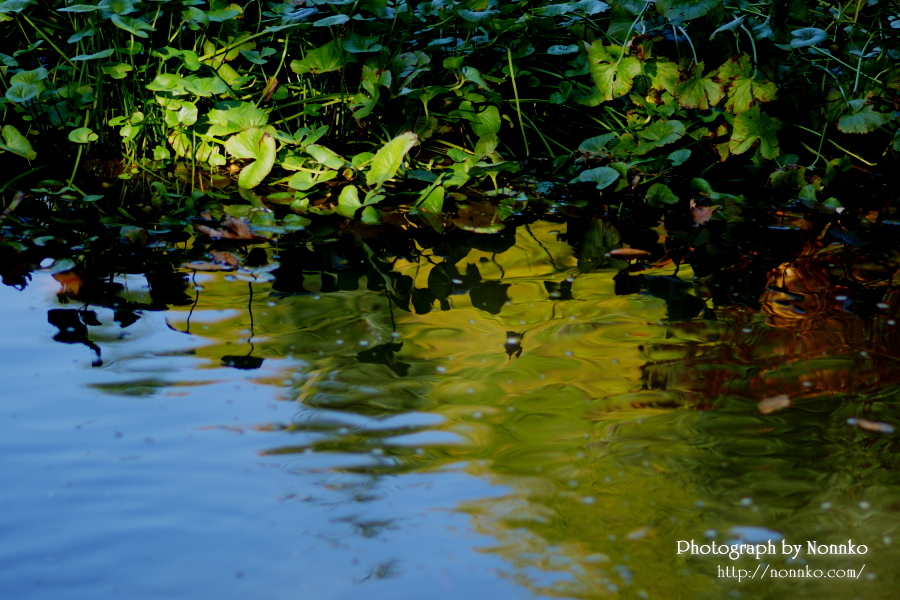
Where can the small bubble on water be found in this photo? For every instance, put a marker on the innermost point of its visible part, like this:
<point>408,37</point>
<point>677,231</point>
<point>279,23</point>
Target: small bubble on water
<point>419,451</point>
<point>476,415</point>
<point>395,334</point>
<point>615,361</point>
<point>522,322</point>
<point>339,342</point>
<point>471,321</point>
<point>343,430</point>
<point>864,354</point>
<point>607,479</point>
<point>542,376</point>
<point>747,330</point>
<point>807,384</point>
<point>573,483</point>
<point>270,303</point>
<point>363,343</point>
<point>826,506</point>
<point>378,451</point>
<point>457,281</point>
<point>891,322</point>
<point>746,501</point>
<point>470,391</point>
<point>568,353</point>
<point>882,306</point>
<point>510,409</point>
<point>840,298</point>
<point>512,341</point>
<point>588,500</point>
<point>230,278</point>
<point>865,505</point>
<point>317,297</point>
<point>886,540</point>
<point>441,369</point>
<point>710,534</point>
<point>700,504</point>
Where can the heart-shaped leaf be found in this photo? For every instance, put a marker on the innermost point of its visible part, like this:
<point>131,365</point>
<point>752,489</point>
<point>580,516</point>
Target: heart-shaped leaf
<point>15,142</point>
<point>253,144</point>
<point>82,135</point>
<point>389,157</point>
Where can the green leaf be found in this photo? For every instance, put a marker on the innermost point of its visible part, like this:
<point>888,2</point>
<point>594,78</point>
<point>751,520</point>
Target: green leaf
<point>15,142</point>
<point>430,205</point>
<point>808,36</point>
<point>487,144</point>
<point>205,86</point>
<point>685,10</point>
<point>659,194</point>
<point>679,157</point>
<point>224,14</point>
<point>253,144</point>
<point>117,70</point>
<point>753,126</point>
<point>863,120</point>
<point>332,20</point>
<point>596,145</point>
<point>602,176</point>
<point>325,156</point>
<point>232,116</point>
<point>612,71</point>
<point>101,54</point>
<point>485,122</point>
<point>389,157</point>
<point>698,91</point>
<point>33,76</point>
<point>559,49</point>
<point>477,16</point>
<point>77,37</point>
<point>23,92</point>
<point>79,8</point>
<point>743,89</point>
<point>115,7</point>
<point>358,44</point>
<point>329,57</point>
<point>659,134</point>
<point>133,26</point>
<point>348,201</point>
<point>663,74</point>
<point>82,135</point>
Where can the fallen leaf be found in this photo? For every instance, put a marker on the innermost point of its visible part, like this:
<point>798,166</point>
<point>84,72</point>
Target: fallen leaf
<point>70,281</point>
<point>876,426</point>
<point>238,229</point>
<point>225,257</point>
<point>628,253</point>
<point>702,214</point>
<point>773,404</point>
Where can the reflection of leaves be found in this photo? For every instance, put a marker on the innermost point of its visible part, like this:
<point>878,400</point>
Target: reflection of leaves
<point>490,296</point>
<point>237,229</point>
<point>72,326</point>
<point>680,305</point>
<point>245,363</point>
<point>599,238</point>
<point>385,354</point>
<point>513,344</point>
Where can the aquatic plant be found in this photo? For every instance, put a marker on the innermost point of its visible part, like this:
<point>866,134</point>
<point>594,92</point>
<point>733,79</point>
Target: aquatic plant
<point>316,107</point>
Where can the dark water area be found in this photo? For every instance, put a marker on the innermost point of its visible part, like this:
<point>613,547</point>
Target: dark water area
<point>508,415</point>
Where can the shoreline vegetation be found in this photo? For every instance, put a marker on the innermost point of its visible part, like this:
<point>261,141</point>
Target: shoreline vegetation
<point>668,120</point>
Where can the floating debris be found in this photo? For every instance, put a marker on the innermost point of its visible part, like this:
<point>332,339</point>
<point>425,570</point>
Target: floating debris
<point>876,426</point>
<point>773,404</point>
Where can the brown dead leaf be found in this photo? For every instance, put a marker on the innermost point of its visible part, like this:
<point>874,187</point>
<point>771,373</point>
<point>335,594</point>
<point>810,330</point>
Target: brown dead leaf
<point>773,404</point>
<point>70,281</point>
<point>627,253</point>
<point>237,229</point>
<point>701,214</point>
<point>225,257</point>
<point>868,425</point>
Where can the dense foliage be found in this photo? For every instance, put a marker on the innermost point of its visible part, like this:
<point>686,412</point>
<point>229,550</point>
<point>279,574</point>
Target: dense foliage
<point>314,106</point>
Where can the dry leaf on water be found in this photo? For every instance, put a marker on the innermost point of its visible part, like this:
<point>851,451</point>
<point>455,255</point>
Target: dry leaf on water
<point>224,261</point>
<point>868,425</point>
<point>702,214</point>
<point>238,229</point>
<point>627,253</point>
<point>773,404</point>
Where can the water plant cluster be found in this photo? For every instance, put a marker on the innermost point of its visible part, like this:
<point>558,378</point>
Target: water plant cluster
<point>284,110</point>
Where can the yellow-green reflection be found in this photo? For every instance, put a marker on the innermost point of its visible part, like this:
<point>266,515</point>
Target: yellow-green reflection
<point>616,432</point>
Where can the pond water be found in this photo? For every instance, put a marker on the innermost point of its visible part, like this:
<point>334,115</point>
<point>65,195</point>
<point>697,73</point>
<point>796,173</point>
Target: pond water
<point>525,430</point>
